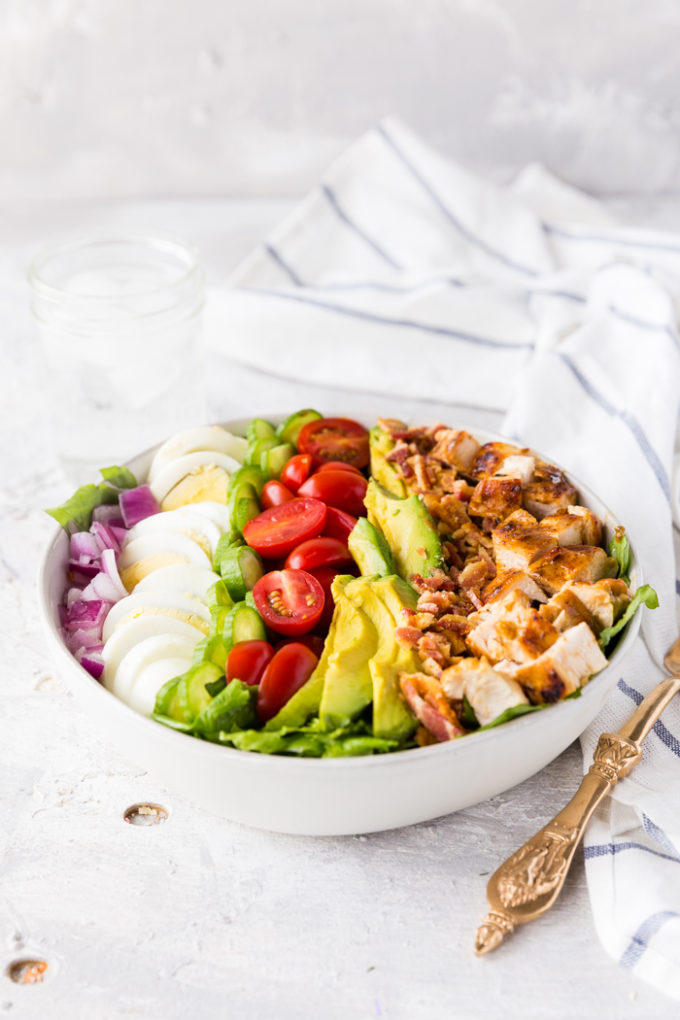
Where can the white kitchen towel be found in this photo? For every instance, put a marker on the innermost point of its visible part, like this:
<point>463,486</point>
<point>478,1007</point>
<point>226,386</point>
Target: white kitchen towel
<point>404,283</point>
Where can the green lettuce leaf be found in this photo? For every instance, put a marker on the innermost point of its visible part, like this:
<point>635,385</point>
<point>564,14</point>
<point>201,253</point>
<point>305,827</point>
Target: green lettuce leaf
<point>643,596</point>
<point>619,548</point>
<point>76,513</point>
<point>119,477</point>
<point>232,709</point>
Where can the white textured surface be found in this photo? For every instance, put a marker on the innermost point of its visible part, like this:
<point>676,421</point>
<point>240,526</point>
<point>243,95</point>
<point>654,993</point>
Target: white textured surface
<point>199,917</point>
<point>107,98</point>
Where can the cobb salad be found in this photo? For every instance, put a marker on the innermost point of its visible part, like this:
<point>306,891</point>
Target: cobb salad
<point>317,589</point>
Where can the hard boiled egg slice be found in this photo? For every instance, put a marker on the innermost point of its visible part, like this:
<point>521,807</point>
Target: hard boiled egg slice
<point>158,548</point>
<point>195,526</point>
<point>216,512</point>
<point>146,652</point>
<point>193,478</point>
<point>182,578</point>
<point>150,680</point>
<point>206,437</point>
<point>137,629</point>
<point>156,603</point>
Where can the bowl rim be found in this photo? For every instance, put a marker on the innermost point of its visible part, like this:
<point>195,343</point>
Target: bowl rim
<point>251,759</point>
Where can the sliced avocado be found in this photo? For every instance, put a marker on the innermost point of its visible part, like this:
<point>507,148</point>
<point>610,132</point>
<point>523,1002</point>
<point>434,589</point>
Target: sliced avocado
<point>381,469</point>
<point>348,686</point>
<point>408,528</point>
<point>370,550</point>
<point>306,701</point>
<point>391,717</point>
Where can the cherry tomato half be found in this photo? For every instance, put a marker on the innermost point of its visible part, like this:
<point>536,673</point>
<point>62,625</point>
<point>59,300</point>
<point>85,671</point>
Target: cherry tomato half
<point>287,672</point>
<point>341,489</point>
<point>289,601</point>
<point>319,552</point>
<point>296,471</point>
<point>278,530</point>
<point>247,661</point>
<point>335,439</point>
<point>274,494</point>
<point>338,524</point>
<point>338,465</point>
<point>324,576</point>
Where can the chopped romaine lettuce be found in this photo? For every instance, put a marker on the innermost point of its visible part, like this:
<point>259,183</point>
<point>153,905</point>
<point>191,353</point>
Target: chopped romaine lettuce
<point>76,513</point>
<point>619,548</point>
<point>644,595</point>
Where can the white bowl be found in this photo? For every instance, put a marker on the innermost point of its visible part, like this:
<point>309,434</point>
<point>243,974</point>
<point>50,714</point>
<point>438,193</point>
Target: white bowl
<point>334,796</point>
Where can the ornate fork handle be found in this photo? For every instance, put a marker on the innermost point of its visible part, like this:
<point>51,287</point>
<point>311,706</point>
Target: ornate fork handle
<point>530,881</point>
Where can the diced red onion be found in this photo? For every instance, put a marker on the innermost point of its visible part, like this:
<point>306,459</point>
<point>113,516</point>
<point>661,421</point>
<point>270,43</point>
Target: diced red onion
<point>108,513</point>
<point>119,533</point>
<point>86,613</point>
<point>82,573</point>
<point>74,594</point>
<point>110,568</point>
<point>91,660</point>
<point>85,637</point>
<point>85,547</point>
<point>106,535</point>
<point>137,504</point>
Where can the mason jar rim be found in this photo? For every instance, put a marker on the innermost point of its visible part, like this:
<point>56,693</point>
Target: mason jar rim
<point>187,254</point>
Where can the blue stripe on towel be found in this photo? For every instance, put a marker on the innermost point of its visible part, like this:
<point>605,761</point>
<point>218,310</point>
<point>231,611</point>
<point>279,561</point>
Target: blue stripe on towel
<point>659,836</point>
<point>642,936</point>
<point>617,242</point>
<point>446,212</point>
<point>384,320</point>
<point>627,418</point>
<point>359,231</point>
<point>606,849</point>
<point>664,735</point>
<point>288,269</point>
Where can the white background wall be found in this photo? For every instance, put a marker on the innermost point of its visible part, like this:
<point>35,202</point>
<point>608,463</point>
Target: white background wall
<point>236,97</point>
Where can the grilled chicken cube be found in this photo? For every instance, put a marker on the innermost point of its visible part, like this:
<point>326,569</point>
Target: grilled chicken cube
<point>508,581</point>
<point>563,564</point>
<point>518,541</point>
<point>548,491</point>
<point>510,630</point>
<point>565,610</point>
<point>566,665</point>
<point>605,600</point>
<point>491,458</point>
<point>566,528</point>
<point>489,693</point>
<point>455,447</point>
<point>496,498</point>
<point>592,528</point>
<point>517,465</point>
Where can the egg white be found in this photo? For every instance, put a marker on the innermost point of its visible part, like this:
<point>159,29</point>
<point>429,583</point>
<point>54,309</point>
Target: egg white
<point>206,437</point>
<point>157,603</point>
<point>150,680</point>
<point>191,463</point>
<point>144,654</point>
<point>183,578</point>
<point>129,633</point>
<point>195,526</point>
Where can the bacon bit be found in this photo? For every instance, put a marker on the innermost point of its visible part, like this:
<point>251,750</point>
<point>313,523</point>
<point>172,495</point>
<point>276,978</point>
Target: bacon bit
<point>474,598</point>
<point>429,705</point>
<point>406,612</point>
<point>399,453</point>
<point>406,470</point>
<point>474,575</point>
<point>408,635</point>
<point>432,668</point>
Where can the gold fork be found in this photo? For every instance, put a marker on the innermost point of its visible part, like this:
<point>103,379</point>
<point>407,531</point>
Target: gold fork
<point>530,881</point>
